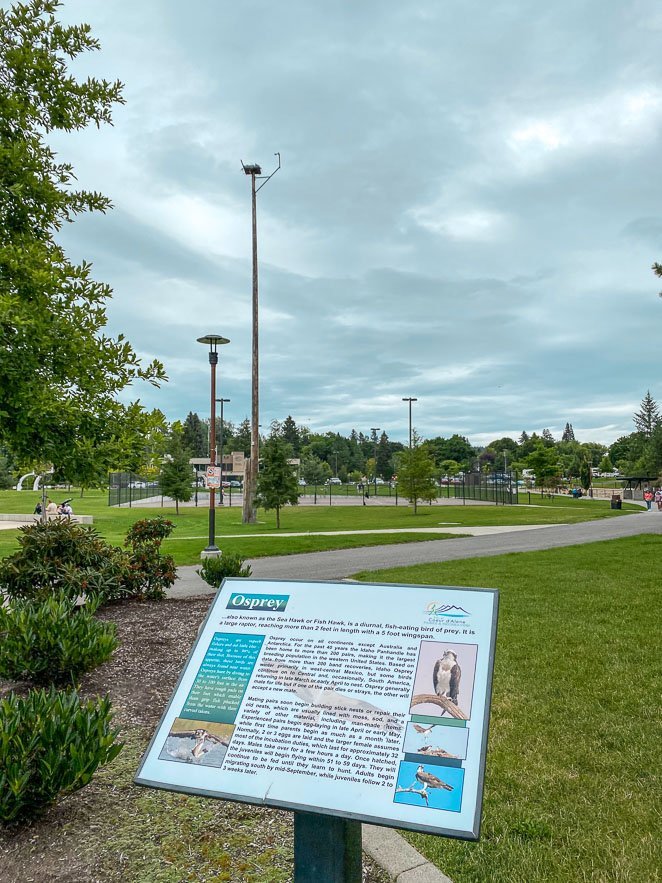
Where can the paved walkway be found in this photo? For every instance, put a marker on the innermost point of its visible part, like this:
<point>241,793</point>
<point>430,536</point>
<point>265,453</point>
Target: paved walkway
<point>342,563</point>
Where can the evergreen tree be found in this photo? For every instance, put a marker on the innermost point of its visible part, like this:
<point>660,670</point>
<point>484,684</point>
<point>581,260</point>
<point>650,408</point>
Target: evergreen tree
<point>524,437</point>
<point>416,472</point>
<point>276,481</point>
<point>176,472</point>
<point>646,419</point>
<point>384,457</point>
<point>195,435</point>
<point>242,438</point>
<point>59,372</point>
<point>548,438</point>
<point>568,433</point>
<point>290,435</point>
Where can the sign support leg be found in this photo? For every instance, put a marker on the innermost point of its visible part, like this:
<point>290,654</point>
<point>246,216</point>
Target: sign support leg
<point>326,848</point>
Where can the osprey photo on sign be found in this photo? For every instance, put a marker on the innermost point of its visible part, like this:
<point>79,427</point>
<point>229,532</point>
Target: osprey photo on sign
<point>445,672</point>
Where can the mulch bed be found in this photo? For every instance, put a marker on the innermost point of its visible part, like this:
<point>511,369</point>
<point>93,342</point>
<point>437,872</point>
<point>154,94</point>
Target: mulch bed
<point>79,840</point>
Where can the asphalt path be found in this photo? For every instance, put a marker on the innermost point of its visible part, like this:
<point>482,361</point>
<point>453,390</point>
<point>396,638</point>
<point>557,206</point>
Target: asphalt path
<point>343,563</point>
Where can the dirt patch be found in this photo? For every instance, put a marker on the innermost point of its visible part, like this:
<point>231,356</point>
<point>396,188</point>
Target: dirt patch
<point>113,830</point>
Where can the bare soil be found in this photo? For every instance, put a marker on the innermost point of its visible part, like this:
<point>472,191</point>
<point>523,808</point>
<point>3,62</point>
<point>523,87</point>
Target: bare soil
<point>113,830</point>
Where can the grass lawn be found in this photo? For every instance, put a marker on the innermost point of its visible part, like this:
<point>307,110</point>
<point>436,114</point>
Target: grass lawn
<point>190,536</point>
<point>573,769</point>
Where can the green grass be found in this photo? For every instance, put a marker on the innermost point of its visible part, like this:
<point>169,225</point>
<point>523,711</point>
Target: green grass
<point>190,535</point>
<point>572,790</point>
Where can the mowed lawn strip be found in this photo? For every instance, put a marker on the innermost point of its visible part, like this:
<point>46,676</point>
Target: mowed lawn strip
<point>192,522</point>
<point>572,790</point>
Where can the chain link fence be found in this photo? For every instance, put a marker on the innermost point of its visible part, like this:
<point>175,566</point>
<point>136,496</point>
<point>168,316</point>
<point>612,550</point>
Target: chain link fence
<point>125,488</point>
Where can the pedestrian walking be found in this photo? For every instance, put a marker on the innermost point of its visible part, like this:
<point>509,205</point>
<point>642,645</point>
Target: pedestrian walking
<point>658,498</point>
<point>648,498</point>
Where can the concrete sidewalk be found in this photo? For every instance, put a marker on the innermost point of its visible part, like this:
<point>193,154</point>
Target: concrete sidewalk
<point>343,563</point>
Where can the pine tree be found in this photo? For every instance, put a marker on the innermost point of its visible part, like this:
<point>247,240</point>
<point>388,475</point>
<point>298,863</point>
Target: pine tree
<point>195,435</point>
<point>290,435</point>
<point>568,433</point>
<point>524,437</point>
<point>547,437</point>
<point>648,417</point>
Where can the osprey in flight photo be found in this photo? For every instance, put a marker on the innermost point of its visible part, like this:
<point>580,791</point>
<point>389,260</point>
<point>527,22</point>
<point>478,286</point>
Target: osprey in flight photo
<point>446,676</point>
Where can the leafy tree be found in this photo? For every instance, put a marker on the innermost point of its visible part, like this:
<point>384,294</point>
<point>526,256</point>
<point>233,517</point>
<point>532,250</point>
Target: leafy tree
<point>195,435</point>
<point>544,462</point>
<point>384,457</point>
<point>177,472</point>
<point>648,417</point>
<point>657,269</point>
<point>276,481</point>
<point>59,372</point>
<point>416,472</point>
<point>456,448</point>
<point>312,469</point>
<point>568,433</point>
<point>449,467</point>
<point>605,465</point>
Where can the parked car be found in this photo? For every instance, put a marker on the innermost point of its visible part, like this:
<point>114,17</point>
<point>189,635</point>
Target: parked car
<point>376,481</point>
<point>137,484</point>
<point>302,482</point>
<point>234,483</point>
<point>333,481</point>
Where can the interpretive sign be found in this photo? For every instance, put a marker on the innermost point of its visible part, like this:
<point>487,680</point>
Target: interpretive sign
<point>365,701</point>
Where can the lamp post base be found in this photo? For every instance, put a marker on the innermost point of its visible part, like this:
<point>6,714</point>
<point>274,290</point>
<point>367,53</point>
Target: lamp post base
<point>211,552</point>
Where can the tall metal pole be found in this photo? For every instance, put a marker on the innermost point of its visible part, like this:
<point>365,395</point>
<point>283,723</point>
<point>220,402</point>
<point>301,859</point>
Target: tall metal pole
<point>250,479</point>
<point>220,494</point>
<point>410,400</point>
<point>375,430</point>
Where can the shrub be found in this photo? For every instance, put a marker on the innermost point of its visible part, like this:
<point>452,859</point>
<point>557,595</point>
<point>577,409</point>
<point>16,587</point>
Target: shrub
<point>52,641</point>
<point>151,573</point>
<point>51,743</point>
<point>66,559</point>
<point>63,558</point>
<point>215,570</point>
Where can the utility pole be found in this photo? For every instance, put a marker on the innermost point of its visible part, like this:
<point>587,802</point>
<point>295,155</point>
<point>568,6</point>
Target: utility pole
<point>250,479</point>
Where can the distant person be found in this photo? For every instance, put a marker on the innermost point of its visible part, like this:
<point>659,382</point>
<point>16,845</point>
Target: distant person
<point>648,497</point>
<point>51,509</point>
<point>658,498</point>
<point>67,511</point>
<point>38,509</point>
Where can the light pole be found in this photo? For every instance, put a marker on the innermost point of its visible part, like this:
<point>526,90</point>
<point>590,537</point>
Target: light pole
<point>250,478</point>
<point>410,400</point>
<point>335,453</point>
<point>374,430</point>
<point>213,341</point>
<point>222,401</point>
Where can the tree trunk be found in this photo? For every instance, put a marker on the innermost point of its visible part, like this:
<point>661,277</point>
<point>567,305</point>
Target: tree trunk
<point>249,515</point>
<point>278,517</point>
<point>176,506</point>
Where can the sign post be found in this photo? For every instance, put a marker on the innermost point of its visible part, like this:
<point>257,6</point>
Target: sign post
<point>345,703</point>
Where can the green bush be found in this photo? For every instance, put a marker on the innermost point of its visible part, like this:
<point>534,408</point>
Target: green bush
<point>51,743</point>
<point>215,570</point>
<point>52,641</point>
<point>66,559</point>
<point>63,558</point>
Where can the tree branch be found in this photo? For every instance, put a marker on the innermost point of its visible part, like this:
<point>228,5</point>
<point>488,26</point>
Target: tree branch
<point>443,702</point>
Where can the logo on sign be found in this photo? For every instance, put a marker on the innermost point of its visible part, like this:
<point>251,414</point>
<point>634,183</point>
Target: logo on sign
<point>451,611</point>
<point>250,601</point>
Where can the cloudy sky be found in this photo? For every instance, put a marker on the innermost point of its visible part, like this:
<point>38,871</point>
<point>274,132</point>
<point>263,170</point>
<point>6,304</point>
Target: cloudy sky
<point>469,203</point>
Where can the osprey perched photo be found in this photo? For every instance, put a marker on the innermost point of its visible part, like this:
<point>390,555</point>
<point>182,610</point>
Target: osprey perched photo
<point>429,781</point>
<point>446,676</point>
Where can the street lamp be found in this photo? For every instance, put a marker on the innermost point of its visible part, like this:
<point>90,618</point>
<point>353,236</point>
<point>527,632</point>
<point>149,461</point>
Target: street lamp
<point>336,456</point>
<point>221,453</point>
<point>250,477</point>
<point>213,341</point>
<point>410,400</point>
<point>374,430</point>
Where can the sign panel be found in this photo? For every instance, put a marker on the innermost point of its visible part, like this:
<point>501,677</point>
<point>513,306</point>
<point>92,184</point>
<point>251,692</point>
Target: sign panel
<point>365,701</point>
<point>213,476</point>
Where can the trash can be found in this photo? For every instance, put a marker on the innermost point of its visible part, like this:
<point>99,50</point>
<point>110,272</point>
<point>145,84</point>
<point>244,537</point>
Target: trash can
<point>616,502</point>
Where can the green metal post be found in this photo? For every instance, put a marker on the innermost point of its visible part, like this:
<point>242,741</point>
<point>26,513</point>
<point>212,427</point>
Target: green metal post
<point>327,849</point>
